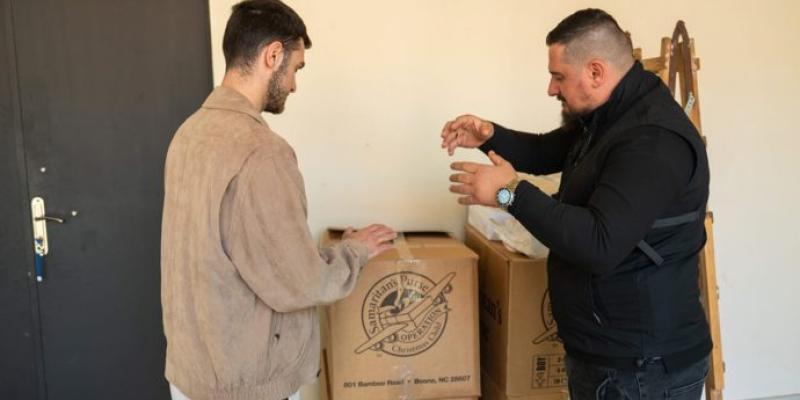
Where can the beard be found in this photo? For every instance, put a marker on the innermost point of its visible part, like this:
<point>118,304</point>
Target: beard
<point>276,94</point>
<point>569,120</point>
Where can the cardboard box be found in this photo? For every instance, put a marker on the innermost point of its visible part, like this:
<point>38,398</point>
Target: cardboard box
<point>325,388</point>
<point>491,391</point>
<point>410,327</point>
<point>520,351</point>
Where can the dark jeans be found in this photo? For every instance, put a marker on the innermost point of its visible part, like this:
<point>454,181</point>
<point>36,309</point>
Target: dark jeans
<point>653,381</point>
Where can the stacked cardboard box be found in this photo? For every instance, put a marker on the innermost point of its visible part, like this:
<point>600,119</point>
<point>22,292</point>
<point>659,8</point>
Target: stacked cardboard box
<point>490,391</point>
<point>409,330</point>
<point>521,355</point>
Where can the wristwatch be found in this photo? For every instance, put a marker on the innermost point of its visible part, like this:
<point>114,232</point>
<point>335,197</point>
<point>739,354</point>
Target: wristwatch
<point>505,195</point>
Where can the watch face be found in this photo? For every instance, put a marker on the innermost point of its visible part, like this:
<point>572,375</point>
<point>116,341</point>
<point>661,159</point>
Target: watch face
<point>503,196</point>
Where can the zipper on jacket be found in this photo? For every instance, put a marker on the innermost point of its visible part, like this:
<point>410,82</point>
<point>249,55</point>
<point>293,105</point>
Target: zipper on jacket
<point>592,303</point>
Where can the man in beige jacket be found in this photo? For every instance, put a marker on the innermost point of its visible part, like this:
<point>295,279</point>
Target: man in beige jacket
<point>240,273</point>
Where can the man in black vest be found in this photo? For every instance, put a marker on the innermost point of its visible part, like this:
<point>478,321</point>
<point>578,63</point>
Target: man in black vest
<point>625,228</point>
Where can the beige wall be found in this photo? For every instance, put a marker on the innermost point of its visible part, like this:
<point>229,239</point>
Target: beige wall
<point>383,76</point>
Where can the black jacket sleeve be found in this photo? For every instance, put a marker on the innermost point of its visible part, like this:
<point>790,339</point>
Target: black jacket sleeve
<point>641,177</point>
<point>538,154</point>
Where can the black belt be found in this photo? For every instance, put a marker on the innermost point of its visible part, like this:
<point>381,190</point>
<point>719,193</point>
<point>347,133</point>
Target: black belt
<point>649,251</point>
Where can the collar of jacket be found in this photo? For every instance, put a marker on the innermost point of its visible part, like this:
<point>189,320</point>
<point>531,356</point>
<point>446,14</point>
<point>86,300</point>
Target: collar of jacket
<point>225,98</point>
<point>634,85</point>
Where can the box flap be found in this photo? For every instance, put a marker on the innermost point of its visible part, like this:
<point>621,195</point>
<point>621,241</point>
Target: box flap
<point>413,245</point>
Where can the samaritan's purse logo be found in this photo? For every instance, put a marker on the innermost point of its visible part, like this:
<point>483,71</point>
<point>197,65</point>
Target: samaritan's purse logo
<point>548,321</point>
<point>405,313</point>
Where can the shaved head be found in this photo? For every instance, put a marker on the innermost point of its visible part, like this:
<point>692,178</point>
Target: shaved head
<point>592,33</point>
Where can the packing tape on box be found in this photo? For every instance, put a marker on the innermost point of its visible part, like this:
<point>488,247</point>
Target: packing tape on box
<point>403,251</point>
<point>402,371</point>
<point>405,254</point>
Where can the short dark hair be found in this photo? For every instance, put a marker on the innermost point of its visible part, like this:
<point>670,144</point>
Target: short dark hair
<point>592,31</point>
<point>256,23</point>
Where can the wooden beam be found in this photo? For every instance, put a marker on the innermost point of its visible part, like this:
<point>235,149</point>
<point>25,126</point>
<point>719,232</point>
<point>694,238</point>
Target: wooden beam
<point>710,296</point>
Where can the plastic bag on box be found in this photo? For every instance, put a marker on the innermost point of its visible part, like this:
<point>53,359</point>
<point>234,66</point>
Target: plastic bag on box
<point>497,224</point>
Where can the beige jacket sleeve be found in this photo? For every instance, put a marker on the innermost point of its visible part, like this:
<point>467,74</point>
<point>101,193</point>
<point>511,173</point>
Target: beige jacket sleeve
<point>266,236</point>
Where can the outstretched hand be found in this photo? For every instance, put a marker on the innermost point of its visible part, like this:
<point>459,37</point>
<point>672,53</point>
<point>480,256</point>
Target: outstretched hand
<point>479,183</point>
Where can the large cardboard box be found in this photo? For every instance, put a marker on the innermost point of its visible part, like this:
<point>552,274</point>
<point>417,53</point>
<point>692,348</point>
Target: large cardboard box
<point>325,388</point>
<point>520,351</point>
<point>491,391</point>
<point>409,330</point>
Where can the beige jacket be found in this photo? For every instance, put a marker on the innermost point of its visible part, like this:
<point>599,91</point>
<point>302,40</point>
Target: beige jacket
<point>240,273</point>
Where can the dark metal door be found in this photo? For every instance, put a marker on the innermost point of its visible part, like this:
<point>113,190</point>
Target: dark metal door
<point>92,91</point>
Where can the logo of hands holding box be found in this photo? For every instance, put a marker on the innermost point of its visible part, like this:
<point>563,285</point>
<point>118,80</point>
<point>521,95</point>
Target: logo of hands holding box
<point>405,313</point>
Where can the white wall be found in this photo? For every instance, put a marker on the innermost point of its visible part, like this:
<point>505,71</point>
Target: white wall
<point>383,76</point>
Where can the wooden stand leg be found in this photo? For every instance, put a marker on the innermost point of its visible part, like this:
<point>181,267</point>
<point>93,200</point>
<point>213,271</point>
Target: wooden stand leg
<point>710,297</point>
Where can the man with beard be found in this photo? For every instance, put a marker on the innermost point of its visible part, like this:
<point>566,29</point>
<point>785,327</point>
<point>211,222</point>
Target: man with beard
<point>241,275</point>
<point>626,226</point>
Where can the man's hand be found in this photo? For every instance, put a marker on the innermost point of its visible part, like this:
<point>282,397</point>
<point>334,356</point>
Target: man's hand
<point>479,183</point>
<point>378,238</point>
<point>466,131</point>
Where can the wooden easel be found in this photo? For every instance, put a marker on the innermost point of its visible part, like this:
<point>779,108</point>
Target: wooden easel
<point>677,60</point>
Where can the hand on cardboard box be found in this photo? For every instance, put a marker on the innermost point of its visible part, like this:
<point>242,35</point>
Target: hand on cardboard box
<point>377,237</point>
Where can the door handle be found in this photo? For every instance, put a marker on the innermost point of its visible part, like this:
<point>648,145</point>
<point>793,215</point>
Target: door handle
<point>51,219</point>
<point>40,245</point>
